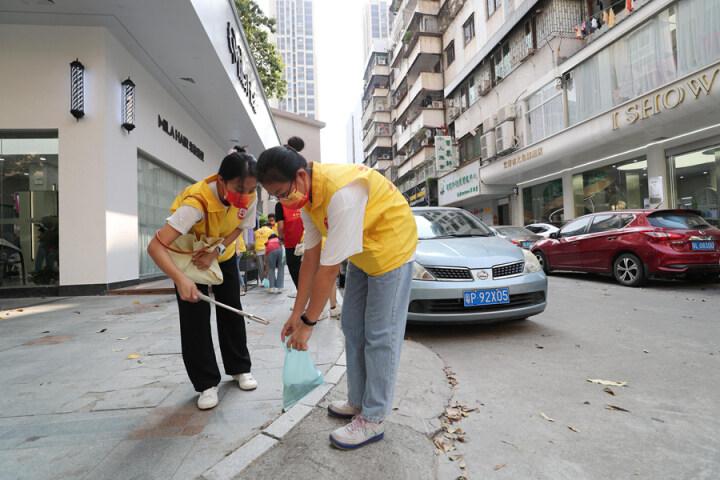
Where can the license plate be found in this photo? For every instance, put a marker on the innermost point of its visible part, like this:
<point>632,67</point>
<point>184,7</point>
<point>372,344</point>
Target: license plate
<point>494,296</point>
<point>697,245</point>
<point>527,244</point>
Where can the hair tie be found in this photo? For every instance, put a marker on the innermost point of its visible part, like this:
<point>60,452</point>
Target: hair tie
<point>290,147</point>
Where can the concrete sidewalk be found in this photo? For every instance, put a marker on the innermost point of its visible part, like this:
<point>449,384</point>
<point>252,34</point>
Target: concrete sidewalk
<point>74,405</point>
<point>407,452</point>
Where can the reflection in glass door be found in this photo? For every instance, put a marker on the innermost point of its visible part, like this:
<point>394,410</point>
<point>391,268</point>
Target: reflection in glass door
<point>695,180</point>
<point>29,243</point>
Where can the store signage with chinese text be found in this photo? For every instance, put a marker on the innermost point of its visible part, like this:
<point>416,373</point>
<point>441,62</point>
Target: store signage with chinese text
<point>242,66</point>
<point>446,158</point>
<point>696,88</point>
<point>522,157</point>
<point>460,184</point>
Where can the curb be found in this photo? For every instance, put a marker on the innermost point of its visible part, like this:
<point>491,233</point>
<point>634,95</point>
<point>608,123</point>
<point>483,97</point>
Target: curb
<point>267,438</point>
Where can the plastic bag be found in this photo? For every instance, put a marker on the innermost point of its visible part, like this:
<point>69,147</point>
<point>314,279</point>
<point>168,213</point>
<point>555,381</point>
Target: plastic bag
<point>300,376</point>
<point>266,283</point>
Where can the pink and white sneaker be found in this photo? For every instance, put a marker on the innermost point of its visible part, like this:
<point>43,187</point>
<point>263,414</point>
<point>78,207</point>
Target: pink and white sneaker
<point>357,433</point>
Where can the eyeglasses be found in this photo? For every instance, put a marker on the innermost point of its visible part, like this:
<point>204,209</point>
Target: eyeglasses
<point>283,196</point>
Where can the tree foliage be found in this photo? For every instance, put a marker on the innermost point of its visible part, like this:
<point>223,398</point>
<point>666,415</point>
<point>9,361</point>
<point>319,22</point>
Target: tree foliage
<point>268,61</point>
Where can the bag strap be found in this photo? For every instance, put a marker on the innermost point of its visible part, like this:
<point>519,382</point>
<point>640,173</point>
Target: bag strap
<point>206,217</point>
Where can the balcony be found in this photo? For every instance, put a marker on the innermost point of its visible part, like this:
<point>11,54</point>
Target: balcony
<point>448,12</point>
<point>427,119</point>
<point>420,25</point>
<point>425,82</point>
<point>376,110</point>
<point>378,135</point>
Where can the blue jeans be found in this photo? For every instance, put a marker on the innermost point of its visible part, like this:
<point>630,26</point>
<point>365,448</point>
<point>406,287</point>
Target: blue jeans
<point>276,268</point>
<point>374,314</point>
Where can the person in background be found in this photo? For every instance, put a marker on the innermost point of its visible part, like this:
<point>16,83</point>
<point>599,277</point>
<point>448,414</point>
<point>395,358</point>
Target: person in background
<point>240,249</point>
<point>275,263</point>
<point>271,223</point>
<point>290,226</point>
<point>221,205</point>
<point>366,219</point>
<point>261,237</point>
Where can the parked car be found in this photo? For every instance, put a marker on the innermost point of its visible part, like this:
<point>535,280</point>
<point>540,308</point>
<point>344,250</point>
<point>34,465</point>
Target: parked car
<point>633,245</point>
<point>542,229</point>
<point>464,273</point>
<point>519,236</point>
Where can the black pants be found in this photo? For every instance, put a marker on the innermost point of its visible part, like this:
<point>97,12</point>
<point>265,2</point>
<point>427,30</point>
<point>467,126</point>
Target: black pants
<point>196,338</point>
<point>293,264</point>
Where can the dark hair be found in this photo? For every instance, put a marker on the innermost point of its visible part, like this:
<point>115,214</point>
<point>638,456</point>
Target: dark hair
<point>279,164</point>
<point>272,235</point>
<point>271,215</point>
<point>238,165</point>
<point>296,143</point>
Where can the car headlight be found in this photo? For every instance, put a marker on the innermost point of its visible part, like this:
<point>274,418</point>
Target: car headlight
<point>421,273</point>
<point>531,262</point>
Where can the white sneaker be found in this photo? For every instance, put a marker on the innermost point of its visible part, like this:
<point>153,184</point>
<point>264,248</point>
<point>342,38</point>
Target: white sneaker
<point>357,433</point>
<point>208,399</point>
<point>335,312</point>
<point>246,381</point>
<point>342,409</point>
<point>278,291</point>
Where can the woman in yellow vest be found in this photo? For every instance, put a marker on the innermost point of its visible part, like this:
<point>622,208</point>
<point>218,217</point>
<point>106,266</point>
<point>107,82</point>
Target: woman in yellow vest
<point>368,221</point>
<point>221,205</point>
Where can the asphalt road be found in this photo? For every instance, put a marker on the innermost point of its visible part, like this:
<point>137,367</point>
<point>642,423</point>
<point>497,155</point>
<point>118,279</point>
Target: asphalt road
<point>539,417</point>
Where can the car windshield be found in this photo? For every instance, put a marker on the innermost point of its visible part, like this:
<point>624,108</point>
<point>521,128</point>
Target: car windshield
<point>449,223</point>
<point>678,220</point>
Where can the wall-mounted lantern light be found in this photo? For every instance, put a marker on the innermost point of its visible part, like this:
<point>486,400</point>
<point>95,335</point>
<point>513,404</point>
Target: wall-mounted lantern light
<point>77,89</point>
<point>128,105</point>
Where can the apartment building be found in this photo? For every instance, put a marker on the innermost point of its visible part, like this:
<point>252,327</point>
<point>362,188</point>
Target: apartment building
<point>562,107</point>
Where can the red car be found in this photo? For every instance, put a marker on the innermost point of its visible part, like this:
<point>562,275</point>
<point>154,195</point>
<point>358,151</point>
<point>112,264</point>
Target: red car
<point>635,244</point>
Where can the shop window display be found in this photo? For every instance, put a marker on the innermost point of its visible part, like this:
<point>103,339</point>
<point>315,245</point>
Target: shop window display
<point>614,187</point>
<point>696,176</point>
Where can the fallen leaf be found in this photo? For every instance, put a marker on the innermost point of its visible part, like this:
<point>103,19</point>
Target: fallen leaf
<point>46,331</point>
<point>136,302</point>
<point>615,407</point>
<point>539,347</point>
<point>133,356</point>
<point>546,417</point>
<point>452,458</point>
<point>645,351</point>
<point>500,466</point>
<point>117,350</point>
<point>77,312</point>
<point>462,465</point>
<point>586,402</point>
<point>609,391</point>
<point>102,331</point>
<point>573,429</point>
<point>122,338</point>
<point>607,383</point>
<point>20,310</point>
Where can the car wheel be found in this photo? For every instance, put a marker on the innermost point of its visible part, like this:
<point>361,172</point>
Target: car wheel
<point>628,270</point>
<point>543,261</point>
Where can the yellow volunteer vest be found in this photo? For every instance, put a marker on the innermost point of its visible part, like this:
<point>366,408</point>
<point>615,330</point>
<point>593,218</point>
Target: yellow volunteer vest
<point>389,230</point>
<point>221,220</point>
<point>261,237</point>
<point>240,246</point>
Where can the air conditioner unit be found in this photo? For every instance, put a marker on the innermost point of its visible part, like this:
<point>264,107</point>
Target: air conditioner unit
<point>453,113</point>
<point>484,87</point>
<point>489,124</point>
<point>506,113</point>
<point>384,156</point>
<point>505,140</point>
<point>437,104</point>
<point>487,145</point>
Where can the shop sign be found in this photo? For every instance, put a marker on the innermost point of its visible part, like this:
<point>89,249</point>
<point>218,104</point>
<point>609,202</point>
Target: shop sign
<point>460,184</point>
<point>165,126</point>
<point>242,65</point>
<point>522,158</point>
<point>695,88</point>
<point>655,187</point>
<point>417,197</point>
<point>446,158</point>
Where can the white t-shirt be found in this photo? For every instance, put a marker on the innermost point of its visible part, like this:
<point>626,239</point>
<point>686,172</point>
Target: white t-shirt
<point>186,216</point>
<point>345,218</point>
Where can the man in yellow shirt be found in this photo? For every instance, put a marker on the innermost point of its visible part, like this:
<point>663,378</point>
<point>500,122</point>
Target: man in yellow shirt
<point>272,223</point>
<point>261,237</point>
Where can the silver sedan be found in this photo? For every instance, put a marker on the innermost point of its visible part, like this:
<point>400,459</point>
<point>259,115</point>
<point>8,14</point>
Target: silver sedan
<point>464,273</point>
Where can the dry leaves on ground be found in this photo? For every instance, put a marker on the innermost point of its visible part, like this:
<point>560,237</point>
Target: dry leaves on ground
<point>615,407</point>
<point>607,383</point>
<point>133,356</point>
<point>573,429</point>
<point>451,377</point>
<point>500,466</point>
<point>546,417</point>
<point>609,391</point>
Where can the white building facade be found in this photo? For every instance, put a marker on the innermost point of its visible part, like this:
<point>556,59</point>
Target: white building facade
<point>160,92</point>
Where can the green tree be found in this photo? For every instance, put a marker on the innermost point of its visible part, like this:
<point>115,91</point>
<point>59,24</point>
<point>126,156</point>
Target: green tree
<point>268,61</point>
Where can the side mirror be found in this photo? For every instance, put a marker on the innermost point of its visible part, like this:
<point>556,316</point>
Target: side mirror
<point>555,235</point>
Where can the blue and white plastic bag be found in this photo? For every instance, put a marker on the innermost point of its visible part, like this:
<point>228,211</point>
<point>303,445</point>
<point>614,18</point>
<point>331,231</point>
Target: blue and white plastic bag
<point>300,376</point>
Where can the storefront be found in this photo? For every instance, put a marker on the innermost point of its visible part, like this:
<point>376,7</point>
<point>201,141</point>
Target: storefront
<point>641,123</point>
<point>108,114</point>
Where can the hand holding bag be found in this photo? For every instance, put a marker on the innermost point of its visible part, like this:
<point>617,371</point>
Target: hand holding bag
<point>181,252</point>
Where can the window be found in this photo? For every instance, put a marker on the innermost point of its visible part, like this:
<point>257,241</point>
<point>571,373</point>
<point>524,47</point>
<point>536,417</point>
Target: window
<point>29,221</point>
<point>614,187</point>
<point>469,29</point>
<point>492,6</point>
<point>501,62</point>
<point>382,60</point>
<point>543,203</point>
<point>575,227</point>
<point>545,113</point>
<point>678,221</point>
<point>450,53</point>
<point>609,221</point>
<point>311,88</point>
<point>309,43</point>
<point>309,58</point>
<point>310,73</point>
<point>696,176</point>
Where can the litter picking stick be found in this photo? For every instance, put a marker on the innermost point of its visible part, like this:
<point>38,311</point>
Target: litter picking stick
<point>234,310</point>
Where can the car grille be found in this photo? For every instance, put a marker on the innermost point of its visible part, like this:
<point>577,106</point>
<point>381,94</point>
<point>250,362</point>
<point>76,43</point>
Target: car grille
<point>456,305</point>
<point>506,270</point>
<point>448,273</point>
